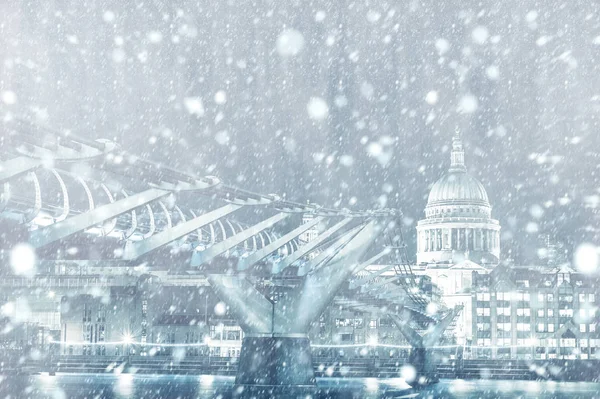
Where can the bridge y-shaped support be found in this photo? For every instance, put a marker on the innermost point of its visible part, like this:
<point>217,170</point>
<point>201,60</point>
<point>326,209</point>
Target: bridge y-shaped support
<point>423,346</point>
<point>276,353</point>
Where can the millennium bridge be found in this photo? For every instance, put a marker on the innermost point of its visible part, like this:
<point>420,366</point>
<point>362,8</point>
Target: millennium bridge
<point>96,216</point>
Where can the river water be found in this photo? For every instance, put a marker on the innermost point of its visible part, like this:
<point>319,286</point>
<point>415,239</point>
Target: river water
<point>174,386</point>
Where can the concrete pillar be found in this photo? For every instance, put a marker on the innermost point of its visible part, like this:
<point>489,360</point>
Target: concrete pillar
<point>423,355</point>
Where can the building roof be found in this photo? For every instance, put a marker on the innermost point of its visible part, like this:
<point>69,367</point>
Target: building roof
<point>457,187</point>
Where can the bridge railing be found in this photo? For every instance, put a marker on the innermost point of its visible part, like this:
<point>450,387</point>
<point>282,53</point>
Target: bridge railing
<point>64,282</point>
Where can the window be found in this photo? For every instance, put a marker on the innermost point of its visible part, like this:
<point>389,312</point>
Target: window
<point>540,312</point>
<point>550,297</point>
<point>523,327</point>
<point>550,312</point>
<point>592,297</point>
<point>483,311</point>
<point>483,296</point>
<point>581,297</point>
<point>373,323</point>
<point>347,337</point>
<point>540,327</point>
<point>503,311</point>
<point>582,328</point>
<point>523,312</point>
<point>341,322</point>
<point>565,312</point>
<point>550,327</point>
<point>541,298</point>
<point>592,327</point>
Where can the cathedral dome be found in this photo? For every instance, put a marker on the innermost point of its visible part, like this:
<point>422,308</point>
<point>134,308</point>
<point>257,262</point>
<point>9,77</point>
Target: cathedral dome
<point>458,188</point>
<point>458,220</point>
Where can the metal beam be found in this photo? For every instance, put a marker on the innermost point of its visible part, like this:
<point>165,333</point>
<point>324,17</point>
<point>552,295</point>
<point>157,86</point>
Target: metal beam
<point>308,247</point>
<point>257,256</point>
<point>370,287</point>
<point>328,253</point>
<point>412,336</point>
<point>135,249</point>
<point>361,281</point>
<point>433,335</point>
<point>250,308</point>
<point>211,252</point>
<point>307,301</point>
<point>75,224</point>
<point>17,166</point>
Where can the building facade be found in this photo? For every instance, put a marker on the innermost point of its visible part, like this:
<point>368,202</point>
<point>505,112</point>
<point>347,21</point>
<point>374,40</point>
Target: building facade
<point>532,313</point>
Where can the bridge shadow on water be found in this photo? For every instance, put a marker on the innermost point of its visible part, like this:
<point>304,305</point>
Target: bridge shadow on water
<point>178,386</point>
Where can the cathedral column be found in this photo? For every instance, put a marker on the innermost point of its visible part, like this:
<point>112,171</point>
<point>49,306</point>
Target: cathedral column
<point>429,235</point>
<point>497,234</point>
<point>468,233</point>
<point>481,240</point>
<point>444,238</point>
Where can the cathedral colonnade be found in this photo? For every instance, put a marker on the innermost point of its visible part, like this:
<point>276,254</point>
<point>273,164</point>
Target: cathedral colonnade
<point>458,239</point>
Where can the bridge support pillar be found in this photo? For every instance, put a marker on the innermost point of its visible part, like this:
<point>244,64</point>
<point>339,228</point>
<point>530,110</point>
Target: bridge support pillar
<point>275,365</point>
<point>423,355</point>
<point>276,359</point>
<point>424,362</point>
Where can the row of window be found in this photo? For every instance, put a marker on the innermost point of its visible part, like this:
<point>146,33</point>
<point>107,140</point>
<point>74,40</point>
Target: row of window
<point>526,312</point>
<point>525,296</point>
<point>359,323</point>
<point>543,343</point>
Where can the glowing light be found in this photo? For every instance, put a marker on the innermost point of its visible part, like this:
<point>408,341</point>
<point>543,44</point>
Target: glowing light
<point>127,338</point>
<point>220,309</point>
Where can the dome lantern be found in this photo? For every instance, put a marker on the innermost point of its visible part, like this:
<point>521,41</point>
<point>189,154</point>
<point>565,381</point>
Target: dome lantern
<point>457,157</point>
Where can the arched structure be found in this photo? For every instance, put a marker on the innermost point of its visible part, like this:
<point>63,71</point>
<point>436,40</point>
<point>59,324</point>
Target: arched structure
<point>458,223</point>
